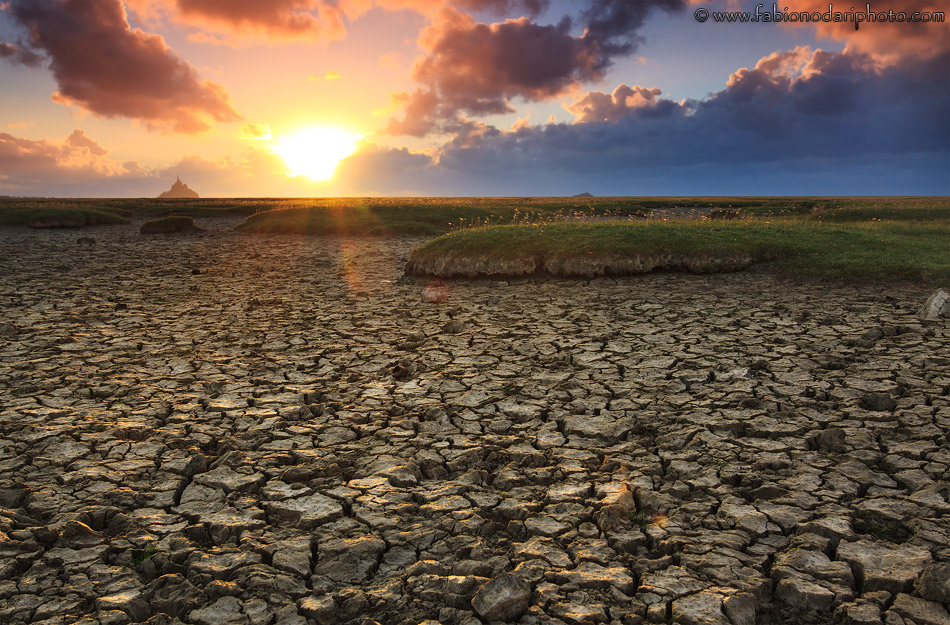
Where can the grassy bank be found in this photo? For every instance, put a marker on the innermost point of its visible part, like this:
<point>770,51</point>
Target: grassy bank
<point>911,250</point>
<point>58,214</point>
<point>78,212</point>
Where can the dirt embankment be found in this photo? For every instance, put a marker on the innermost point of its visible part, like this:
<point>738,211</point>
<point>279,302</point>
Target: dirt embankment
<point>477,266</point>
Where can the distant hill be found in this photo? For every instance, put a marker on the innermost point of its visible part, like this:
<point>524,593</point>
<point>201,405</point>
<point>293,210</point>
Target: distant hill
<point>179,190</point>
<point>584,194</point>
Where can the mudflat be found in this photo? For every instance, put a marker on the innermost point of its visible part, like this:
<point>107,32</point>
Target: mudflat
<point>224,428</point>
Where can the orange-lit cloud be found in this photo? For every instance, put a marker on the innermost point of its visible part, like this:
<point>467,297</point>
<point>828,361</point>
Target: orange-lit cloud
<point>105,67</point>
<point>886,40</point>
<point>237,21</point>
<point>79,141</point>
<point>276,18</point>
<point>596,106</point>
<point>256,132</point>
<point>79,158</point>
<point>475,68</point>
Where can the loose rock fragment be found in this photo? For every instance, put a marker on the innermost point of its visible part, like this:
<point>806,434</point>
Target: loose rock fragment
<point>436,292</point>
<point>880,402</point>
<point>504,598</point>
<point>936,306</point>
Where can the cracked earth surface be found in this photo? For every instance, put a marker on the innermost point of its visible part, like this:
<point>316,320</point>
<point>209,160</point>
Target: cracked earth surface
<point>218,428</point>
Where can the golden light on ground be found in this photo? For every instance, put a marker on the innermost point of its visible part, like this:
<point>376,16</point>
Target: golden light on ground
<point>315,152</point>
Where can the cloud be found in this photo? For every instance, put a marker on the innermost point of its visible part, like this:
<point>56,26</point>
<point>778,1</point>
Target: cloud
<point>824,111</point>
<point>470,68</point>
<point>421,113</point>
<point>884,39</point>
<point>474,68</point>
<point>596,106</point>
<point>613,25</point>
<point>373,170</point>
<point>275,18</point>
<point>256,132</point>
<point>504,7</point>
<point>20,54</point>
<point>80,141</point>
<point>103,66</point>
<point>77,160</point>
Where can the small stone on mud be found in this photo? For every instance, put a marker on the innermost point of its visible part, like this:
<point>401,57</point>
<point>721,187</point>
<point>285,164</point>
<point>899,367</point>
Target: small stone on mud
<point>937,306</point>
<point>453,327</point>
<point>435,292</point>
<point>878,402</point>
<point>502,599</point>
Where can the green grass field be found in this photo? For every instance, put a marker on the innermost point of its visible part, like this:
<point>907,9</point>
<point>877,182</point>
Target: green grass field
<point>880,251</point>
<point>873,239</point>
<point>26,211</point>
<point>58,213</point>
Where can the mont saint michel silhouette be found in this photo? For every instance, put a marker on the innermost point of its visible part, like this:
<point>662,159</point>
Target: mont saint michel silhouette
<point>179,190</point>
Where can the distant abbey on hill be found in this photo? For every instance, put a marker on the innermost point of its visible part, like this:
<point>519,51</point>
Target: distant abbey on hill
<point>179,190</point>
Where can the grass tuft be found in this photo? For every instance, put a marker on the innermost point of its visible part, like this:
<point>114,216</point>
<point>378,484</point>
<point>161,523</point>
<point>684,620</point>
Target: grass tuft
<point>57,215</point>
<point>175,223</point>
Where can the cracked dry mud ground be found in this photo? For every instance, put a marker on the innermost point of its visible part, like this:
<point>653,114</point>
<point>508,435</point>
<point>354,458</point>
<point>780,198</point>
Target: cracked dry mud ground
<point>228,429</point>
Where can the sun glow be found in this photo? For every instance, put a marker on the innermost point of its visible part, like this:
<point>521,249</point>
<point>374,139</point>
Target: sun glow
<point>316,151</point>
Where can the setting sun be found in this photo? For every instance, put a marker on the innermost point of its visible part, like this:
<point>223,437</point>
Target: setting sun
<point>315,152</point>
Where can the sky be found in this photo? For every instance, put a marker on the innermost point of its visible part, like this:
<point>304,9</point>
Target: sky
<point>308,98</point>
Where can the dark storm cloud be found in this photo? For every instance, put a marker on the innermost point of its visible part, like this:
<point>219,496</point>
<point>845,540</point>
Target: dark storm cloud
<point>827,108</point>
<point>104,66</point>
<point>613,25</point>
<point>473,68</point>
